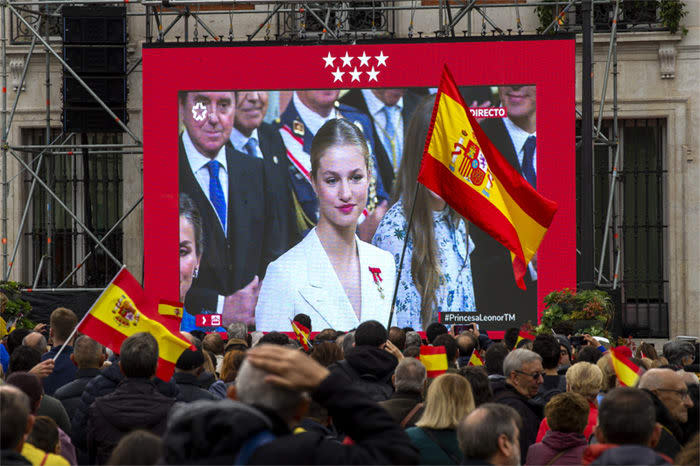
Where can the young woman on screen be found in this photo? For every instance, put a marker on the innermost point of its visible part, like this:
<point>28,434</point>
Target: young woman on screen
<point>436,275</point>
<point>332,276</point>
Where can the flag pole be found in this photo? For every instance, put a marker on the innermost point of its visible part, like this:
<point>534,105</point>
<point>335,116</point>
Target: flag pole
<point>403,253</point>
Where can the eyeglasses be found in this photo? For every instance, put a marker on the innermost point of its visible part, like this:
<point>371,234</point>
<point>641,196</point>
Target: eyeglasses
<point>681,393</point>
<point>534,375</point>
<point>564,352</point>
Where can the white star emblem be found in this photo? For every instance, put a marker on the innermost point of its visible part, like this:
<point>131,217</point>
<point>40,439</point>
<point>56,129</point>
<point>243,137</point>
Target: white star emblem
<point>372,74</point>
<point>347,59</point>
<point>364,59</point>
<point>199,111</point>
<point>329,60</point>
<point>338,75</point>
<point>381,59</point>
<point>355,75</point>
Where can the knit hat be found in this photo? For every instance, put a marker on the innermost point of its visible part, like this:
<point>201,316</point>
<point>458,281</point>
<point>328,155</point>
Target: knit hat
<point>189,360</point>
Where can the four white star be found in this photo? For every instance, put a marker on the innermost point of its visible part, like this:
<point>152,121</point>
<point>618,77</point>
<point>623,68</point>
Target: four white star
<point>355,75</point>
<point>381,59</point>
<point>364,59</point>
<point>338,75</point>
<point>329,60</point>
<point>372,74</point>
<point>347,59</point>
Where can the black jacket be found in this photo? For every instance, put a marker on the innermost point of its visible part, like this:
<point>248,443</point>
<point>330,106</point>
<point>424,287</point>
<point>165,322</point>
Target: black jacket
<point>190,388</point>
<point>214,432</point>
<point>530,414</point>
<point>69,394</point>
<point>400,404</point>
<point>11,457</point>
<point>671,433</point>
<point>622,454</point>
<point>370,368</point>
<point>135,404</point>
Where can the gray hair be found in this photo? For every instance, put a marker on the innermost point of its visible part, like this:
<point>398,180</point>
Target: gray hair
<point>410,375</point>
<point>237,330</point>
<point>87,352</point>
<point>348,342</point>
<point>412,339</point>
<point>40,344</point>
<point>676,350</point>
<point>252,389</point>
<point>517,358</point>
<point>478,433</point>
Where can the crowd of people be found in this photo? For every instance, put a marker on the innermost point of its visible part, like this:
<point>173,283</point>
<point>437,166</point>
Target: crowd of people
<point>362,397</point>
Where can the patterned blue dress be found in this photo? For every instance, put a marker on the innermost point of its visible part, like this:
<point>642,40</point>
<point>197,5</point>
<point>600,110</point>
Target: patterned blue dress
<point>456,292</point>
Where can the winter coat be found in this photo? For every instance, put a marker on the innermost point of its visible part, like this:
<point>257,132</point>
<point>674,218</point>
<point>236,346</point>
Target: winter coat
<point>63,370</point>
<point>189,387</point>
<point>135,404</point>
<point>530,414</point>
<point>554,442</point>
<point>671,433</point>
<point>370,369</point>
<point>607,453</point>
<point>51,407</point>
<point>436,446</point>
<point>69,394</point>
<point>400,404</point>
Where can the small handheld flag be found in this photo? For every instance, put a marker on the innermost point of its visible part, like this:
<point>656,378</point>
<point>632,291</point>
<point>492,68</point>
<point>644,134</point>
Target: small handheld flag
<point>475,359</point>
<point>627,372</point>
<point>434,359</point>
<point>523,335</point>
<point>302,334</point>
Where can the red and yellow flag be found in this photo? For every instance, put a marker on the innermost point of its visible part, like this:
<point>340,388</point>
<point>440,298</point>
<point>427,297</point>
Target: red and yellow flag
<point>170,308</point>
<point>434,359</point>
<point>627,372</point>
<point>475,359</point>
<point>302,334</point>
<point>461,165</point>
<point>523,335</point>
<point>116,315</point>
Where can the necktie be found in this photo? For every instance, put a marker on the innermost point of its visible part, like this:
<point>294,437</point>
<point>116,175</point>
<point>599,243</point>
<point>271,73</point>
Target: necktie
<point>216,194</point>
<point>390,142</point>
<point>528,161</point>
<point>251,147</point>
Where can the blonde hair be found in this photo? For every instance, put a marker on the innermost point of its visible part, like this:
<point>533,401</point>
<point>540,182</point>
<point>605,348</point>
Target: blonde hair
<point>425,260</point>
<point>609,377</point>
<point>584,378</point>
<point>337,132</point>
<point>449,400</point>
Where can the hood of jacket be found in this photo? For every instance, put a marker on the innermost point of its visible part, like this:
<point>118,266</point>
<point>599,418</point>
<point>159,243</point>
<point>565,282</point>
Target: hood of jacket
<point>135,402</point>
<point>608,453</point>
<point>563,440</point>
<point>368,360</point>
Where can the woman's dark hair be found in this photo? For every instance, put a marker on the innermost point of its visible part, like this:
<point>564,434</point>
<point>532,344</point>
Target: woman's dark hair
<point>327,353</point>
<point>138,447</point>
<point>189,211</point>
<point>479,380</point>
<point>647,350</point>
<point>44,434</point>
<point>337,132</point>
<point>588,354</point>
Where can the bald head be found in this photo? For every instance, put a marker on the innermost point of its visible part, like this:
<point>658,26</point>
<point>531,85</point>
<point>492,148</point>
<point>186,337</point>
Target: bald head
<point>37,341</point>
<point>491,433</point>
<point>669,386</point>
<point>658,378</point>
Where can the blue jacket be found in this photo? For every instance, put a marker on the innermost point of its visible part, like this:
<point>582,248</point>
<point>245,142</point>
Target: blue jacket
<point>63,370</point>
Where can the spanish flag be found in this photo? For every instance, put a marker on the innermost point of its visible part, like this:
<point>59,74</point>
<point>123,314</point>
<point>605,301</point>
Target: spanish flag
<point>627,372</point>
<point>120,311</point>
<point>461,165</point>
<point>523,335</point>
<point>434,359</point>
<point>170,308</point>
<point>302,334</point>
<point>475,359</point>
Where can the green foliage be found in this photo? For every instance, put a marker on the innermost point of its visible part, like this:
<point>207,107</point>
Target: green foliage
<point>546,15</point>
<point>12,305</point>
<point>671,12</point>
<point>586,305</point>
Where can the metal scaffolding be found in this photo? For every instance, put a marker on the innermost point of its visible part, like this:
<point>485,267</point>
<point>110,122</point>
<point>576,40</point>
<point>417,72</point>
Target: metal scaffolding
<point>281,21</point>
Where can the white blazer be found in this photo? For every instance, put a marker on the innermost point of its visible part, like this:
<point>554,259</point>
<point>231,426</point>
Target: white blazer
<point>303,281</point>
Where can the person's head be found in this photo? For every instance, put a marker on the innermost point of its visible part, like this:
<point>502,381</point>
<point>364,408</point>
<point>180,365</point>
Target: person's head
<point>626,416</point>
<point>304,320</point>
<point>433,331</point>
<point>491,433</point>
<point>523,370</point>
<point>44,434</point>
<point>584,378</point>
<point>521,104</point>
<point>320,101</point>
<point>449,399</point>
<point>139,355</point>
<point>208,118</point>
<point>478,379</point>
<point>30,385</point>
<point>680,353</point>
<point>466,343</point>
<point>448,342</point>
<point>137,447</point>
<point>231,365</point>
<point>410,376</point>
<point>390,96</point>
<point>606,367</point>
<point>567,412</point>
<point>646,350</point>
<point>214,343</point>
<point>251,107</point>
<point>412,339</point>
<point>370,333</point>
<point>190,362</point>
<point>412,352</point>
<point>62,322</point>
<point>23,359</point>
<point>588,354</point>
<point>340,172</point>
<point>548,348</point>
<point>494,357</point>
<point>327,353</point>
<point>237,330</point>
<point>327,334</point>
<point>252,389</point>
<point>511,337</point>
<point>190,243</point>
<point>398,337</point>
<point>274,338</point>
<point>564,350</point>
<point>348,342</point>
<point>669,386</point>
<point>87,353</point>
<point>15,421</point>
<point>37,341</point>
<point>15,338</point>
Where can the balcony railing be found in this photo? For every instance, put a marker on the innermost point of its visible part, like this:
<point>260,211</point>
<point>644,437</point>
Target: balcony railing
<point>37,16</point>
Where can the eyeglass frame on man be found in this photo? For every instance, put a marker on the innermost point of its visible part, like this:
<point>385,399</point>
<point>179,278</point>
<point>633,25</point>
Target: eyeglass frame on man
<point>535,376</point>
<point>683,393</point>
